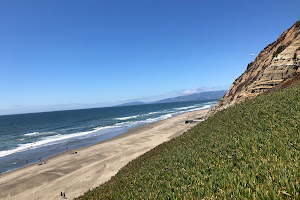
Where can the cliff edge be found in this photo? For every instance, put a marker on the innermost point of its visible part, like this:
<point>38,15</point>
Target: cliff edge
<point>277,63</point>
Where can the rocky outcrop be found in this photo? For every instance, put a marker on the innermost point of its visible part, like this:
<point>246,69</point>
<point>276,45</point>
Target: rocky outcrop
<point>277,63</point>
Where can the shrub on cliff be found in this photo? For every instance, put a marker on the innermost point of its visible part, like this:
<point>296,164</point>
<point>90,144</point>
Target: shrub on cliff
<point>278,51</point>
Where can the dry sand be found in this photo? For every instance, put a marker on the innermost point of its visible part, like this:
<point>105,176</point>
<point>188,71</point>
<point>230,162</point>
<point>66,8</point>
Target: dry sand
<point>91,166</point>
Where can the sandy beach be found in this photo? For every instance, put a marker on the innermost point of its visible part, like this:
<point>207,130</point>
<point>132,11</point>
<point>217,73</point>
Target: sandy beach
<point>76,171</point>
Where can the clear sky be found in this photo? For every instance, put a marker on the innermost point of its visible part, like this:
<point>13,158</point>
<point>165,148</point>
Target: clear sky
<point>80,53</point>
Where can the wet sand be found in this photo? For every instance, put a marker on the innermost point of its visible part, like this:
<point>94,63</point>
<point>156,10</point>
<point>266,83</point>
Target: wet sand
<point>76,171</point>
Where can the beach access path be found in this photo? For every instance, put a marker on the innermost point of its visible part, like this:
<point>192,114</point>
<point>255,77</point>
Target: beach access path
<point>76,171</point>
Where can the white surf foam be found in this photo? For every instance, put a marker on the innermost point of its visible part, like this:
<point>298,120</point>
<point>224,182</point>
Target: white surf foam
<point>162,117</point>
<point>126,118</point>
<point>31,134</point>
<point>50,140</point>
<point>146,121</point>
<point>157,112</point>
<point>185,108</point>
<point>201,108</point>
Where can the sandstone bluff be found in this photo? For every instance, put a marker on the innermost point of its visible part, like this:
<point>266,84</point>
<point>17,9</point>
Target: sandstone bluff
<point>276,64</point>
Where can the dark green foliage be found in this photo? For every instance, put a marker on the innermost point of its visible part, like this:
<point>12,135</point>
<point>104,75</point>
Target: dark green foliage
<point>295,56</point>
<point>248,151</point>
<point>297,24</point>
<point>279,50</point>
<point>249,65</point>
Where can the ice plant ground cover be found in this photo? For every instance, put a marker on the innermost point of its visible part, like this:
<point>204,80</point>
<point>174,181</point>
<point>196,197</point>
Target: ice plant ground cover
<point>248,151</point>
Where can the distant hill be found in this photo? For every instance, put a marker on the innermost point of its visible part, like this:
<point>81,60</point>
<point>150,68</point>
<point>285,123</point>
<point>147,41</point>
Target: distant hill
<point>132,103</point>
<point>195,97</point>
<point>192,97</point>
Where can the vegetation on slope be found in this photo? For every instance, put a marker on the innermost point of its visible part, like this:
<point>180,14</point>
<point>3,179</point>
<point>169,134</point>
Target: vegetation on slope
<point>279,50</point>
<point>250,150</point>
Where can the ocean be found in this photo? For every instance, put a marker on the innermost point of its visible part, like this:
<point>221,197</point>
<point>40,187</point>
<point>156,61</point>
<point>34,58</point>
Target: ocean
<point>27,138</point>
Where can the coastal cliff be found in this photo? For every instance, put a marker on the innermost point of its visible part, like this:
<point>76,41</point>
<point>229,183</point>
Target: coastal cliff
<point>276,64</point>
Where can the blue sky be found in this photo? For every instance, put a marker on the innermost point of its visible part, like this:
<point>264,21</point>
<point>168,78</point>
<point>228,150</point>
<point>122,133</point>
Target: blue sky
<point>72,54</point>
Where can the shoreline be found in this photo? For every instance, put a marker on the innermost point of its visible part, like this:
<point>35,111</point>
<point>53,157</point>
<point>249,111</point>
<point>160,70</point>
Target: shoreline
<point>93,165</point>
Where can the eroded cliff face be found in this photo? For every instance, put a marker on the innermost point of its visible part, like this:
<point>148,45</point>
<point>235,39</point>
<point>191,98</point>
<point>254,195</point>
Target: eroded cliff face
<point>278,62</point>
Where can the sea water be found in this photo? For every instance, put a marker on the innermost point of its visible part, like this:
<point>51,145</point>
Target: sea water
<point>28,138</point>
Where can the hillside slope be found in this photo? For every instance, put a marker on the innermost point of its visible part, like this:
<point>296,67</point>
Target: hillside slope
<point>278,62</point>
<point>248,151</point>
